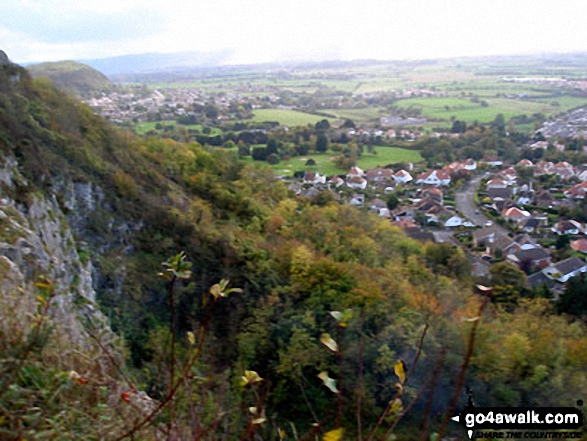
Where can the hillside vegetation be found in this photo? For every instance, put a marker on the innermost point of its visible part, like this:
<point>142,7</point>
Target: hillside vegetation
<point>339,321</point>
<point>73,77</point>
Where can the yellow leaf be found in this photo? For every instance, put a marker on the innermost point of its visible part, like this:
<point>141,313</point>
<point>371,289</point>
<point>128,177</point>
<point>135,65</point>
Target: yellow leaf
<point>334,435</point>
<point>328,382</point>
<point>400,371</point>
<point>191,338</point>
<point>41,300</point>
<point>42,285</point>
<point>260,420</point>
<point>327,340</point>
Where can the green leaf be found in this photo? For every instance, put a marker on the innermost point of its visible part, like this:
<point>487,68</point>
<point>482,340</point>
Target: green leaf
<point>219,289</point>
<point>400,371</point>
<point>178,266</point>
<point>342,318</point>
<point>329,342</point>
<point>328,382</point>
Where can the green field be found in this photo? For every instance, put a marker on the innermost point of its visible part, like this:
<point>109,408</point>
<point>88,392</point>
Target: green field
<point>358,115</point>
<point>325,166</point>
<point>287,117</point>
<point>143,127</point>
<point>464,109</point>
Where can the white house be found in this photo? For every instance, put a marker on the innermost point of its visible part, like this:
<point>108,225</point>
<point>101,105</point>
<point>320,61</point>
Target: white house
<point>356,182</point>
<point>402,176</point>
<point>436,178</point>
<point>565,269</point>
<point>454,221</point>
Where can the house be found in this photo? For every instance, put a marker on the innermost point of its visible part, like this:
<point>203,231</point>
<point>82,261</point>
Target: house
<point>543,168</point>
<point>567,227</point>
<point>357,200</point>
<point>404,223</point>
<point>539,279</point>
<point>565,269</point>
<point>436,178</point>
<point>356,182</point>
<point>336,181</point>
<point>470,164</point>
<point>530,225</point>
<point>500,192</point>
<point>543,198</point>
<point>579,245</point>
<point>525,163</point>
<point>514,214</point>
<point>311,177</point>
<point>583,176</point>
<point>509,175</point>
<point>496,183</point>
<point>433,193</point>
<point>454,221</point>
<point>377,204</point>
<point>378,175</point>
<point>402,176</point>
<point>355,172</point>
<point>520,242</point>
<point>483,237</point>
<point>528,259</point>
<point>493,161</point>
<point>577,191</point>
<point>564,170</point>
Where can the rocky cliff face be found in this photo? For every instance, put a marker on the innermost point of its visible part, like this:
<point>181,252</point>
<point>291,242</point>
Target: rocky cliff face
<point>36,241</point>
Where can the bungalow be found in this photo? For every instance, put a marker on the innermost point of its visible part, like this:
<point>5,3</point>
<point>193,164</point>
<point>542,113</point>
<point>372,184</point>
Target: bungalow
<point>357,200</point>
<point>530,225</point>
<point>311,177</point>
<point>528,259</point>
<point>379,175</point>
<point>377,204</point>
<point>336,181</point>
<point>435,177</point>
<point>433,193</point>
<point>354,172</point>
<point>496,183</point>
<point>577,191</point>
<point>579,246</point>
<point>509,175</point>
<point>543,198</point>
<point>493,161</point>
<point>515,214</point>
<point>567,227</point>
<point>565,269</point>
<point>402,176</point>
<point>470,164</point>
<point>543,168</point>
<point>564,170</point>
<point>483,237</point>
<point>525,163</point>
<point>356,182</point>
<point>583,176</point>
<point>454,221</point>
<point>503,193</point>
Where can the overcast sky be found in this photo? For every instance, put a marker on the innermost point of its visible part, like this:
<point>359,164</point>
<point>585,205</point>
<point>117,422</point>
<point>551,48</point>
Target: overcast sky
<point>270,30</point>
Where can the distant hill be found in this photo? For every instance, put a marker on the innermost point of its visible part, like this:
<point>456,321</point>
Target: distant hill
<point>71,76</point>
<point>151,62</point>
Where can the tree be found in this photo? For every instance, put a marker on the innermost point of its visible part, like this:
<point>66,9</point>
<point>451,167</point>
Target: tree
<point>392,201</point>
<point>273,158</point>
<point>322,125</point>
<point>509,283</point>
<point>348,124</point>
<point>574,299</point>
<point>321,143</point>
<point>243,150</point>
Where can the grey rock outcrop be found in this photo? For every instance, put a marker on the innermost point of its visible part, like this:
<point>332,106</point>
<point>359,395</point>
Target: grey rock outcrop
<point>3,58</point>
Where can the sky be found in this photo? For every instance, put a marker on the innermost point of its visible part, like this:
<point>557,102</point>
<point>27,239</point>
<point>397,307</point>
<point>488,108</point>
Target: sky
<point>256,31</point>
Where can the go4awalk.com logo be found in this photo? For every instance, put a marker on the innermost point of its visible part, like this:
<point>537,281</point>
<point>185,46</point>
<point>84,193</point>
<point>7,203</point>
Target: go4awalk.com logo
<point>522,422</point>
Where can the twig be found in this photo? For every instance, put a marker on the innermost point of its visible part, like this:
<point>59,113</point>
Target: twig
<point>463,371</point>
<point>398,393</point>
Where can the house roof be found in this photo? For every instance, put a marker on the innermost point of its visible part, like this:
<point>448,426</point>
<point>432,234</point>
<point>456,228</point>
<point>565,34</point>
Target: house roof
<point>504,193</point>
<point>356,180</point>
<point>579,245</point>
<point>525,163</point>
<point>496,181</point>
<point>539,279</point>
<point>379,172</point>
<point>569,265</point>
<point>533,254</point>
<point>515,212</point>
<point>566,225</point>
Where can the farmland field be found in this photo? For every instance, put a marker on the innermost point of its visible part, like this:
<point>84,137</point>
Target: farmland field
<point>286,117</point>
<point>143,127</point>
<point>325,166</point>
<point>464,109</point>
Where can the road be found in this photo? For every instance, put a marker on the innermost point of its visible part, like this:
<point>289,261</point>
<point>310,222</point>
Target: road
<point>465,203</point>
